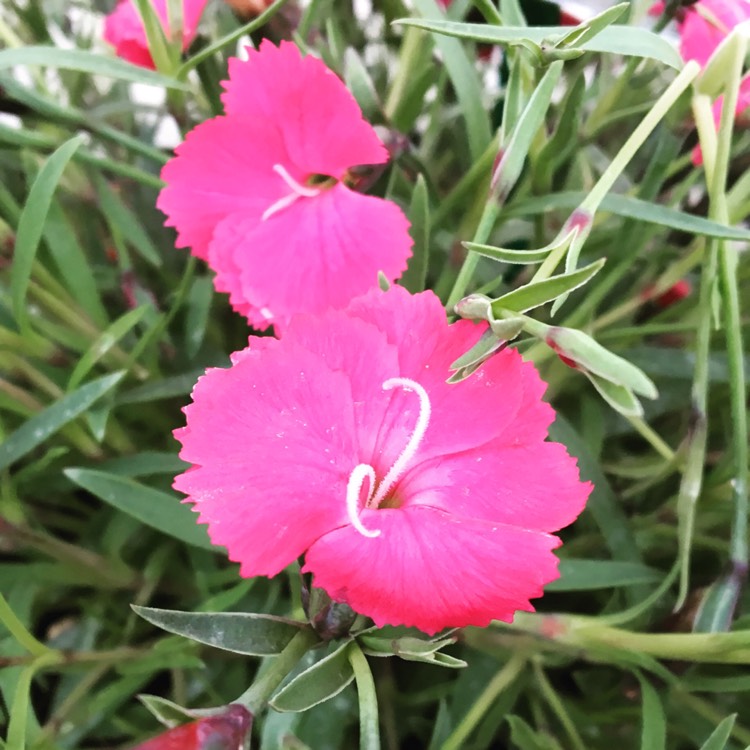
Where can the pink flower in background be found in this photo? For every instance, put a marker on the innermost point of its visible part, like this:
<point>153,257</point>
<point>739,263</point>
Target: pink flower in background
<point>702,27</point>
<point>414,501</point>
<point>261,193</point>
<point>123,28</point>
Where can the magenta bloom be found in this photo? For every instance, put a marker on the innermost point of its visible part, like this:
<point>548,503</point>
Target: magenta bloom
<point>414,501</point>
<point>124,30</point>
<point>261,192</point>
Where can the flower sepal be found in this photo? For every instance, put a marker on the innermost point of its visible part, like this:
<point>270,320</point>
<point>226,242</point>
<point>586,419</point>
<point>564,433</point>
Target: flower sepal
<point>410,645</point>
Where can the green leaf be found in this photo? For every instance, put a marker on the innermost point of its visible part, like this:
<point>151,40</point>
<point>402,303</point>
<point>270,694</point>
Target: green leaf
<point>540,292</point>
<point>358,81</point>
<point>588,575</point>
<point>415,276</point>
<point>487,345</point>
<point>508,255</point>
<point>654,730</point>
<point>159,510</point>
<point>165,711</point>
<point>532,117</point>
<point>720,736</point>
<point>196,319</point>
<point>466,83</point>
<point>318,683</point>
<point>104,343</point>
<point>631,208</point>
<point>620,398</point>
<point>31,223</point>
<point>618,40</point>
<point>589,29</point>
<point>240,632</point>
<point>48,421</point>
<point>126,222</point>
<point>717,608</point>
<point>84,62</point>
<point>177,385</point>
<point>369,723</point>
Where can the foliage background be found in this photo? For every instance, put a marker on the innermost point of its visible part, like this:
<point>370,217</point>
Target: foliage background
<point>104,328</point>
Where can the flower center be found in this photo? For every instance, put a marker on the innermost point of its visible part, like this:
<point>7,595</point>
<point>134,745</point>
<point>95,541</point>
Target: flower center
<point>376,495</point>
<point>315,185</point>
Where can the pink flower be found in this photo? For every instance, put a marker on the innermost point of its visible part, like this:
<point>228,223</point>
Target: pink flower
<point>261,193</point>
<point>702,28</point>
<point>414,501</point>
<point>123,28</point>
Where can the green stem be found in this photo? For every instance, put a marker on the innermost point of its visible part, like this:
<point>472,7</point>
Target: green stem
<point>257,695</point>
<point>486,223</point>
<point>369,724</point>
<point>502,680</point>
<point>17,629</point>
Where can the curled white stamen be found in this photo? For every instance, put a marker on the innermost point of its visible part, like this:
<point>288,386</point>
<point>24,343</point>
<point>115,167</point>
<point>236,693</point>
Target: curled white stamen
<point>423,420</point>
<point>353,491</point>
<point>298,191</point>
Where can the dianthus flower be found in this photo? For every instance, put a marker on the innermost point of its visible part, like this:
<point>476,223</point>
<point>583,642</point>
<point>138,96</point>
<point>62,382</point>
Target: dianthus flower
<point>124,30</point>
<point>261,193</point>
<point>414,501</point>
<point>702,27</point>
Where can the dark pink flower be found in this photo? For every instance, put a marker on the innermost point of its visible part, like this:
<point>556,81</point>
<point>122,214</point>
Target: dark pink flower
<point>702,27</point>
<point>124,30</point>
<point>261,193</point>
<point>414,501</point>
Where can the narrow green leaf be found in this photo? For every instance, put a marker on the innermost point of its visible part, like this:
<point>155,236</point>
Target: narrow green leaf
<point>369,723</point>
<point>239,632</point>
<point>525,129</point>
<point>415,277</point>
<point>165,711</point>
<point>717,609</point>
<point>620,398</point>
<point>593,26</point>
<point>619,40</point>
<point>161,48</point>
<point>538,293</point>
<point>177,385</point>
<point>631,208</point>
<point>196,318</point>
<point>31,223</point>
<point>463,75</point>
<point>84,62</point>
<point>318,683</point>
<point>159,510</point>
<point>358,81</point>
<point>487,345</point>
<point>720,736</point>
<point>41,426</point>
<point>588,575</point>
<point>104,343</point>
<point>508,255</point>
<point>654,727</point>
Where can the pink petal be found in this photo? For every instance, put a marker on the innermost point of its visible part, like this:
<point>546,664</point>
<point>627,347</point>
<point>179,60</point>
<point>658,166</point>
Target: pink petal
<point>700,36</point>
<point>467,414</point>
<point>320,121</point>
<point>313,255</point>
<point>124,30</point>
<point>220,169</point>
<point>272,443</point>
<point>432,570</point>
<point>533,486</point>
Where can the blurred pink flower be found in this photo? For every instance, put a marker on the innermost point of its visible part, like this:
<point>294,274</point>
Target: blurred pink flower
<point>261,193</point>
<point>123,28</point>
<point>415,502</point>
<point>702,28</point>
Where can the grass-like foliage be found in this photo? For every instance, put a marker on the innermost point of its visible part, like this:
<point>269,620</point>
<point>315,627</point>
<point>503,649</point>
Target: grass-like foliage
<point>556,192</point>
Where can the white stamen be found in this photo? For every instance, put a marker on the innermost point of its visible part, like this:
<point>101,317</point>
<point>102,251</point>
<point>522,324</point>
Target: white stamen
<point>353,491</point>
<point>298,191</point>
<point>423,420</point>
